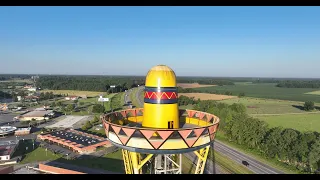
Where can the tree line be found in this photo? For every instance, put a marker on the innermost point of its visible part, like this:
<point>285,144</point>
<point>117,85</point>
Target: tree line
<point>298,149</point>
<point>205,80</point>
<point>88,83</point>
<point>299,84</point>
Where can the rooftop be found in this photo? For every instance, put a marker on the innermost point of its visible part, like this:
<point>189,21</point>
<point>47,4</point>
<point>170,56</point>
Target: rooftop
<point>6,147</point>
<point>76,136</point>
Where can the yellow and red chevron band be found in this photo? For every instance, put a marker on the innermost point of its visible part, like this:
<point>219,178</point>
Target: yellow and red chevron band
<point>154,95</point>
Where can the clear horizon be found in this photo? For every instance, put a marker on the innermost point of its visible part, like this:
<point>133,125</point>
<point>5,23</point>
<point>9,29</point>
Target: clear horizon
<point>274,42</point>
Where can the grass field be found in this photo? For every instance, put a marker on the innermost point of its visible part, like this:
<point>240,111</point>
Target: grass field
<point>38,154</point>
<point>268,106</point>
<point>301,122</point>
<point>75,93</point>
<point>314,92</point>
<point>206,96</point>
<point>266,90</point>
<point>109,162</point>
<point>193,85</point>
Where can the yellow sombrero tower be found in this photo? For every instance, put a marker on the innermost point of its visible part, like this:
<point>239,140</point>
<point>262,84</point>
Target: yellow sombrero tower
<point>161,99</point>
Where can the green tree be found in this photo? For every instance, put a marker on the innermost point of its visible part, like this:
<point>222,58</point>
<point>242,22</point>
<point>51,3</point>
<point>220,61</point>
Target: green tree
<point>308,106</point>
<point>70,107</point>
<point>15,98</point>
<point>314,156</point>
<point>59,103</point>
<point>87,126</point>
<point>81,103</point>
<point>98,108</point>
<point>53,104</point>
<point>241,94</point>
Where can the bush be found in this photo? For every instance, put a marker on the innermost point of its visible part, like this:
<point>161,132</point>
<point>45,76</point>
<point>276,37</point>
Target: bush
<point>98,108</point>
<point>308,106</point>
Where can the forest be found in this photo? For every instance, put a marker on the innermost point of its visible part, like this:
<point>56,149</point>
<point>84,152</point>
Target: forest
<point>103,83</point>
<point>298,149</point>
<point>299,84</point>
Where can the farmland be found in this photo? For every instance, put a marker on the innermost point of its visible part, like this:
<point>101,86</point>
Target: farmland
<point>302,122</point>
<point>264,90</point>
<point>75,92</point>
<point>193,85</point>
<point>268,106</point>
<point>205,96</point>
<point>314,92</point>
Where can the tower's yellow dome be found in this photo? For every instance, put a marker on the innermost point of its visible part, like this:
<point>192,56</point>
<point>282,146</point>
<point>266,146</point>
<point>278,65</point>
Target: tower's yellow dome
<point>161,76</point>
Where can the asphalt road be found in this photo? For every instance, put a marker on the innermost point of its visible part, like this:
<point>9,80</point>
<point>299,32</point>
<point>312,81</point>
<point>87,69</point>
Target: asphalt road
<point>254,165</point>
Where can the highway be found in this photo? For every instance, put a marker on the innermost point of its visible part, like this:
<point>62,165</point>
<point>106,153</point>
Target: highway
<point>255,166</point>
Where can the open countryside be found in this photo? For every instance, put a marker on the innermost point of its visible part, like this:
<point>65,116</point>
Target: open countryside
<point>301,122</point>
<point>265,90</point>
<point>206,96</point>
<point>75,93</point>
<point>314,92</point>
<point>193,85</point>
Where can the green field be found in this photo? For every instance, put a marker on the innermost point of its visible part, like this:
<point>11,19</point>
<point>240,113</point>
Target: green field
<point>314,92</point>
<point>109,162</point>
<point>301,122</point>
<point>265,90</point>
<point>268,106</point>
<point>33,155</point>
<point>75,92</point>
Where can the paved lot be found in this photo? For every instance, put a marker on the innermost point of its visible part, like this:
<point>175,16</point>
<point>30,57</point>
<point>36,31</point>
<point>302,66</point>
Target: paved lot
<point>6,118</point>
<point>68,121</point>
<point>58,149</point>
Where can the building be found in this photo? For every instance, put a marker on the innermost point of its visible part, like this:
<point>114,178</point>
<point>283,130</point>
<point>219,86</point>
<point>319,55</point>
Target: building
<point>33,89</point>
<point>31,98</point>
<point>38,114</point>
<point>22,131</point>
<point>72,98</point>
<point>3,107</point>
<point>7,148</point>
<point>77,141</point>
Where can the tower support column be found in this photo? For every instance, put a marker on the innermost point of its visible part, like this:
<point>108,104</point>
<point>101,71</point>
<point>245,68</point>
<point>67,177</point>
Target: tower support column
<point>202,155</point>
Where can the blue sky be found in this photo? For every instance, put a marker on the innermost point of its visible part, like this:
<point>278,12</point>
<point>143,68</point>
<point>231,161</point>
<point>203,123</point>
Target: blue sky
<point>195,41</point>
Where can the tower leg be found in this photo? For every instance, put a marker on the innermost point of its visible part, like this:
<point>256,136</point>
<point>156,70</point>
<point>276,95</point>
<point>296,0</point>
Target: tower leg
<point>127,161</point>
<point>202,159</point>
<point>133,162</point>
<point>168,164</point>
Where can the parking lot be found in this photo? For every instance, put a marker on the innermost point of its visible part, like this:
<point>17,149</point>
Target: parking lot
<point>6,118</point>
<point>68,121</point>
<point>58,149</point>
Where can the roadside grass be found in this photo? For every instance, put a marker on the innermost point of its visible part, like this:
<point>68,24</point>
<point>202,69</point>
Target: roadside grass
<point>258,155</point>
<point>300,122</point>
<point>268,106</point>
<point>187,166</point>
<point>133,97</point>
<point>118,101</point>
<point>100,132</point>
<point>265,90</point>
<point>75,92</point>
<point>229,165</point>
